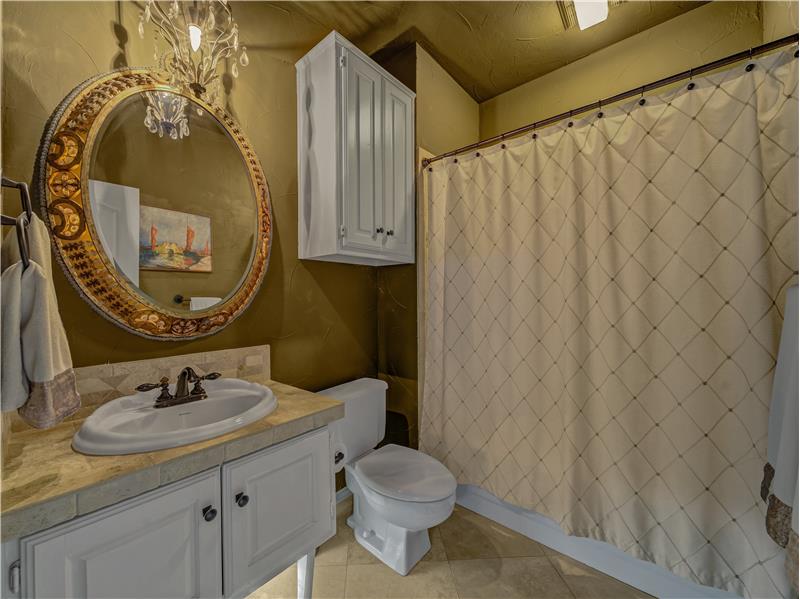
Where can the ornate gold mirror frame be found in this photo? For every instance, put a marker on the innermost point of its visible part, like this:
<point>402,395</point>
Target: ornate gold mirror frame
<point>61,183</point>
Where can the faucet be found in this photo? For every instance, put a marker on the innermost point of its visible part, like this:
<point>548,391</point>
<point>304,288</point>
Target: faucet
<point>182,393</point>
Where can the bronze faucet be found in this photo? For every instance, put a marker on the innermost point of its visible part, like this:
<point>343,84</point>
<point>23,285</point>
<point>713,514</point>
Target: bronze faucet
<point>182,393</point>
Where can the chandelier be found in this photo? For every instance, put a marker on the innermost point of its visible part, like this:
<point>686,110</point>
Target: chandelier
<point>199,35</point>
<point>167,114</point>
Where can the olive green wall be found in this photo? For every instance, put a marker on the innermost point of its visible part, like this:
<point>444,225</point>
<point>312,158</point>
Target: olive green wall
<point>702,35</point>
<point>319,318</point>
<point>446,117</point>
<point>779,19</point>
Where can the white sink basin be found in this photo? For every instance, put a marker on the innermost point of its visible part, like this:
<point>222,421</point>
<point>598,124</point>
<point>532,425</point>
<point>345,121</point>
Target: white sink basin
<point>132,425</point>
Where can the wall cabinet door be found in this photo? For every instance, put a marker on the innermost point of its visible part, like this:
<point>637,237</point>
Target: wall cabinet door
<point>363,154</point>
<point>398,171</point>
<point>278,504</point>
<point>157,545</point>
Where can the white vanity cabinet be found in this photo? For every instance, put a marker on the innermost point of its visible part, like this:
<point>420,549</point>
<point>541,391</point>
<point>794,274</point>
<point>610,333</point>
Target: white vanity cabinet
<point>355,127</point>
<point>277,504</point>
<point>242,522</point>
<point>165,543</point>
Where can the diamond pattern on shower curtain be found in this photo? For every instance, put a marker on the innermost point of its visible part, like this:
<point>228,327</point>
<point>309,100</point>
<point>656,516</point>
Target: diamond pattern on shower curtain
<point>603,305</point>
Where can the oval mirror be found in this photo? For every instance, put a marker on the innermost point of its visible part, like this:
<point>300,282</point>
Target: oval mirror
<point>158,208</point>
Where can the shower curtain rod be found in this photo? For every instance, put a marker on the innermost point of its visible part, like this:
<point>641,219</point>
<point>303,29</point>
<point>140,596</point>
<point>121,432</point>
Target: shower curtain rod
<point>745,54</point>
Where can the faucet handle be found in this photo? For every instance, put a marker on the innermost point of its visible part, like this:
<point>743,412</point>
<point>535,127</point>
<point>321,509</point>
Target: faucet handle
<point>198,387</point>
<point>163,384</point>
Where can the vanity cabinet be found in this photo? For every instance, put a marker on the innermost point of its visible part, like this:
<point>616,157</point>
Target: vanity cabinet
<point>355,128</point>
<point>243,522</point>
<point>165,543</point>
<point>278,503</point>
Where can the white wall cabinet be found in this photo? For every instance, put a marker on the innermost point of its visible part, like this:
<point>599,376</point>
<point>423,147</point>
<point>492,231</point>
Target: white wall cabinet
<point>278,503</point>
<point>243,523</point>
<point>355,131</point>
<point>162,544</point>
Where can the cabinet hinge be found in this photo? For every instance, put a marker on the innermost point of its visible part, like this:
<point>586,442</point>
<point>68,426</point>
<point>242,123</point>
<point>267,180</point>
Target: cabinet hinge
<point>342,231</point>
<point>14,574</point>
<point>342,60</point>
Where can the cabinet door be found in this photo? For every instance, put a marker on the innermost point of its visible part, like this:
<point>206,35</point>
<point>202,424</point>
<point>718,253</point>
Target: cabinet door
<point>362,186</point>
<point>398,148</point>
<point>157,545</point>
<point>288,510</point>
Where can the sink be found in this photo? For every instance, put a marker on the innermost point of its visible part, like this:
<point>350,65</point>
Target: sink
<point>132,425</point>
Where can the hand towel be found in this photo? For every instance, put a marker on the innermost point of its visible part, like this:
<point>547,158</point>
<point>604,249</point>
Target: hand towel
<point>201,303</point>
<point>38,242</point>
<point>780,483</point>
<point>37,376</point>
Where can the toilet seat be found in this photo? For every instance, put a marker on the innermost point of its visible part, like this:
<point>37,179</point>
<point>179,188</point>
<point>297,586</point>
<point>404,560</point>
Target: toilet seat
<point>405,474</point>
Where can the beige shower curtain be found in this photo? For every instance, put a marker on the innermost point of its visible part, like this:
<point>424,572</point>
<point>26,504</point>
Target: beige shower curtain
<point>603,305</point>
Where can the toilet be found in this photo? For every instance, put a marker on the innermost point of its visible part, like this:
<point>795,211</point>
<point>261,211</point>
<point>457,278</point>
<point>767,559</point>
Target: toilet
<point>398,493</point>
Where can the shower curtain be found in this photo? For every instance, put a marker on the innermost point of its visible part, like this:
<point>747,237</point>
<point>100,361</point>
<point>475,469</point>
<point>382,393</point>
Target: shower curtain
<point>603,302</point>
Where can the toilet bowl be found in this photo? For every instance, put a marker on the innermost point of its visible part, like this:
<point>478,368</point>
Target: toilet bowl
<point>398,492</point>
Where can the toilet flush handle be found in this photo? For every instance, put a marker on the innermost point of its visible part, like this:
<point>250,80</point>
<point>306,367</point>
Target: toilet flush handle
<point>338,457</point>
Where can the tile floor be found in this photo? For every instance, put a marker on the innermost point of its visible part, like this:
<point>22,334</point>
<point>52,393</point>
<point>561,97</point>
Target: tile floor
<point>471,557</point>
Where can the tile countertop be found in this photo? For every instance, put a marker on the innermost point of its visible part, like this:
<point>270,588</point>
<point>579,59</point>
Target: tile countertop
<point>45,482</point>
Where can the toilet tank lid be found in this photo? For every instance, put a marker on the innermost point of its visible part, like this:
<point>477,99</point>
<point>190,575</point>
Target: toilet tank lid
<point>355,388</point>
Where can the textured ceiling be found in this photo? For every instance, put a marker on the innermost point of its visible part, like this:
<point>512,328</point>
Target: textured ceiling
<point>488,47</point>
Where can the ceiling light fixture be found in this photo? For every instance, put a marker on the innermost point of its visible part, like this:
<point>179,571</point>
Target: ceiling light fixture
<point>590,12</point>
<point>199,34</point>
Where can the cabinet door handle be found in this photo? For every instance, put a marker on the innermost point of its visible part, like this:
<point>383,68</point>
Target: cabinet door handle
<point>379,230</point>
<point>390,232</point>
<point>209,513</point>
<point>241,499</point>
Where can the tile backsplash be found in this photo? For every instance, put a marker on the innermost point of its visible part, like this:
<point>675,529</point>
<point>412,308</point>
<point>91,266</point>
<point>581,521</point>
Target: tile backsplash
<point>104,382</point>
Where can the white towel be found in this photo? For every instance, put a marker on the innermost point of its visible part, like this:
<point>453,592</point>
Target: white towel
<point>201,303</point>
<point>38,242</point>
<point>779,487</point>
<point>37,376</point>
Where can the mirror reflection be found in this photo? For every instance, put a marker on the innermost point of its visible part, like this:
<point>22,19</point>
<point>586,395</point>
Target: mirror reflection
<point>172,202</point>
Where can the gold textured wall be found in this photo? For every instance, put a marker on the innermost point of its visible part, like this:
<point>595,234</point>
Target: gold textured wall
<point>702,35</point>
<point>447,117</point>
<point>319,318</point>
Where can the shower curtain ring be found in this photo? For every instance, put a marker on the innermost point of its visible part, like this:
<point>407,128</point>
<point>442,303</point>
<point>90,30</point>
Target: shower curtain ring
<point>691,76</point>
<point>599,109</point>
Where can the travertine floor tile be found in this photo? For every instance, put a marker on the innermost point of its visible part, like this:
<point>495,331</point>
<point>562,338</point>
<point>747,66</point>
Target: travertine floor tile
<point>334,551</point>
<point>508,578</point>
<point>587,583</point>
<point>466,535</point>
<point>328,584</point>
<point>528,570</point>
<point>428,580</point>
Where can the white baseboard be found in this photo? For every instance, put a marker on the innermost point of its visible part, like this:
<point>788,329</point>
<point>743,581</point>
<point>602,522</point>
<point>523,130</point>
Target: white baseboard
<point>645,576</point>
<point>342,494</point>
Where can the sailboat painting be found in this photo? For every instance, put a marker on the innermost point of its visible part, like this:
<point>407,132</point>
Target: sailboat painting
<point>170,240</point>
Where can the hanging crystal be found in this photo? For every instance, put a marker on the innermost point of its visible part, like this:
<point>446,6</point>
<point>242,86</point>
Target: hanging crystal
<point>167,114</point>
<point>197,69</point>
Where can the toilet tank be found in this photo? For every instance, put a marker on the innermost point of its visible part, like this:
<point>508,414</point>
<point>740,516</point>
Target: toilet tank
<point>364,422</point>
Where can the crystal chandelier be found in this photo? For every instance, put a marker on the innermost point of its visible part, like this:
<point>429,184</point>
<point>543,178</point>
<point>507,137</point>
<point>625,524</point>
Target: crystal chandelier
<point>199,34</point>
<point>167,114</point>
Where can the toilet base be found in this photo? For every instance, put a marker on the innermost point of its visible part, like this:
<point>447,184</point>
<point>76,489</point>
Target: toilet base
<point>397,547</point>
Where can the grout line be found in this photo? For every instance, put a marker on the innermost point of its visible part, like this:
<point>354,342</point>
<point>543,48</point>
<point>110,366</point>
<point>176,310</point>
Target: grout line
<point>560,574</point>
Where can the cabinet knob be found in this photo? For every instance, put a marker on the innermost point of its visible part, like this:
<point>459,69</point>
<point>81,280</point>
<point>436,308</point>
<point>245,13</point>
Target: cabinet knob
<point>241,499</point>
<point>379,230</point>
<point>209,513</point>
<point>390,232</point>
